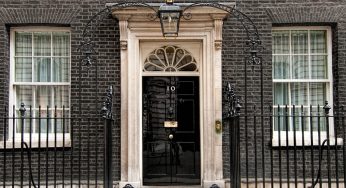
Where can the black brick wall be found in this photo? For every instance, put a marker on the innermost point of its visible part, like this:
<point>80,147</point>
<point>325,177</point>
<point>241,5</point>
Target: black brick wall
<point>264,13</point>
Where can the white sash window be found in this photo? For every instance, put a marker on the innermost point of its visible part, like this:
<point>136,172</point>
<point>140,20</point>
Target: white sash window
<point>40,78</point>
<point>302,79</point>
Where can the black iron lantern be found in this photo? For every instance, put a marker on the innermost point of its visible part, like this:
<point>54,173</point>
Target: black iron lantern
<point>169,15</point>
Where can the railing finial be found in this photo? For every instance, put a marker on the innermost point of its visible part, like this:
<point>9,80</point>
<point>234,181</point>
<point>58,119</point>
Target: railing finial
<point>233,101</point>
<point>327,108</point>
<point>22,109</point>
<point>106,109</point>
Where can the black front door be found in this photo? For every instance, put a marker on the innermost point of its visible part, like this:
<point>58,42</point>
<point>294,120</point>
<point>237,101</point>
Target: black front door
<point>171,141</point>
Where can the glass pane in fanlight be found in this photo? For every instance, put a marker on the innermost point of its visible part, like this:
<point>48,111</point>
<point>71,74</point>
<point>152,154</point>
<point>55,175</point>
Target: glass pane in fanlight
<point>170,52</point>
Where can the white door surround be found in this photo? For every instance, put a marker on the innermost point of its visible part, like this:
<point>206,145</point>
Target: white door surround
<point>203,29</point>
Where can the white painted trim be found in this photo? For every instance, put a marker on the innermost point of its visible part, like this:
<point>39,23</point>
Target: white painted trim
<point>52,143</point>
<point>12,83</point>
<point>329,93</point>
<point>203,29</point>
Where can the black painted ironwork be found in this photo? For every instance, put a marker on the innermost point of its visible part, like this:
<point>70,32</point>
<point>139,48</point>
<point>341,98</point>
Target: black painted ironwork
<point>108,116</point>
<point>233,112</point>
<point>87,46</point>
<point>325,142</point>
<point>311,173</point>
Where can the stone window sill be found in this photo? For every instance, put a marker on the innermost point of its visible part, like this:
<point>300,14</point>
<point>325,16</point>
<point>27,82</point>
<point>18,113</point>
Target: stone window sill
<point>307,142</point>
<point>35,144</point>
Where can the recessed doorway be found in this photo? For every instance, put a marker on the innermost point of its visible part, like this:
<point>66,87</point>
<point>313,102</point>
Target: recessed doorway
<point>171,131</point>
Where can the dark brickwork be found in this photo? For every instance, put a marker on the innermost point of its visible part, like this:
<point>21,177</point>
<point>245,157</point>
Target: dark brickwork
<point>265,13</point>
<point>88,93</point>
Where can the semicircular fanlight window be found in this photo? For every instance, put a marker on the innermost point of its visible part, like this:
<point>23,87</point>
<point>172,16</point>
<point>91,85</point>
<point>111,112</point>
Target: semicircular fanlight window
<point>170,59</point>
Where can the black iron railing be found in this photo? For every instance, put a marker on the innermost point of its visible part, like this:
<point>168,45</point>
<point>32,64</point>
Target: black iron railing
<point>51,147</point>
<point>286,146</point>
<point>55,146</point>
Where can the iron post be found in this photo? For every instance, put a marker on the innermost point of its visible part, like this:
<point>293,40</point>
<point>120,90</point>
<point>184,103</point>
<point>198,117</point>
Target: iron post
<point>234,143</point>
<point>107,114</point>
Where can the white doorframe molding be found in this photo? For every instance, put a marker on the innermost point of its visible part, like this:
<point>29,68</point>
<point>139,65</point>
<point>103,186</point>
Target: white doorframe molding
<point>205,26</point>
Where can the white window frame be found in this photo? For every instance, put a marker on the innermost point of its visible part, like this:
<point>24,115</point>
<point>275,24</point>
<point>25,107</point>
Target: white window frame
<point>12,99</point>
<point>329,93</point>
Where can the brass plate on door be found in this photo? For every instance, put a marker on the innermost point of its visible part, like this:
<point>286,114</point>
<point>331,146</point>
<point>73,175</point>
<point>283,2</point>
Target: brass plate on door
<point>171,124</point>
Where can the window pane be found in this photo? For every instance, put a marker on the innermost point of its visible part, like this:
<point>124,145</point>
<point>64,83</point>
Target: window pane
<point>42,44</point>
<point>281,67</point>
<point>281,119</point>
<point>23,44</point>
<point>61,96</point>
<point>61,44</point>
<point>63,121</point>
<point>61,69</point>
<point>42,69</point>
<point>43,96</point>
<point>300,67</point>
<point>280,94</point>
<point>299,94</point>
<point>281,42</point>
<point>23,95</point>
<point>317,94</point>
<point>22,121</point>
<point>319,67</point>
<point>23,69</point>
<point>299,119</point>
<point>318,41</point>
<point>41,123</point>
<point>60,122</point>
<point>319,119</point>
<point>299,42</point>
